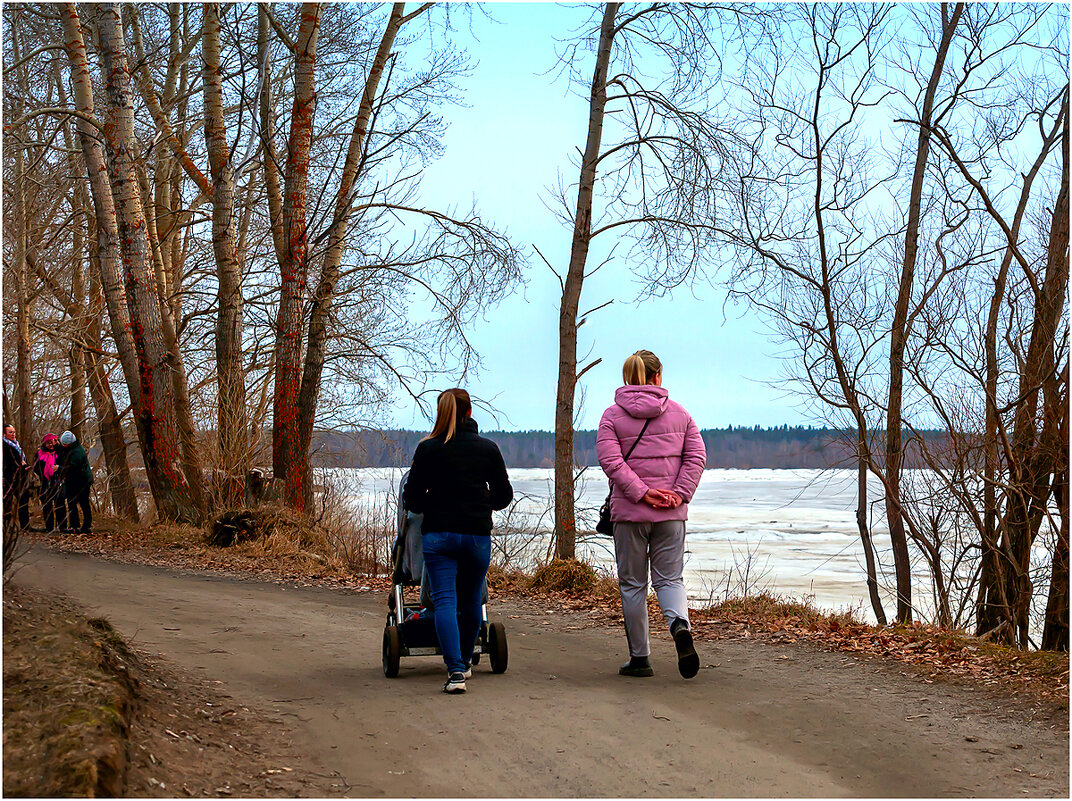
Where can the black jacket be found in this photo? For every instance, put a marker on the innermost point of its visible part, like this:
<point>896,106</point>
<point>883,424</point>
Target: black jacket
<point>457,484</point>
<point>74,466</point>
<point>13,469</point>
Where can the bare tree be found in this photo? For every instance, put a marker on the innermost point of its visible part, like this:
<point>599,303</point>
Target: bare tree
<point>154,390</point>
<point>898,330</point>
<point>804,236</point>
<point>658,175</point>
<point>293,260</point>
<point>231,379</point>
<point>324,294</point>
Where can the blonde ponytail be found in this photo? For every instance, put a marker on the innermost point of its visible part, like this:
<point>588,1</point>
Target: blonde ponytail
<point>641,368</point>
<point>451,408</point>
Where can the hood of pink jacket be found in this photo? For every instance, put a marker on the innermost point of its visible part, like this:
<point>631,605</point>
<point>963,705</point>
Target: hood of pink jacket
<point>642,401</point>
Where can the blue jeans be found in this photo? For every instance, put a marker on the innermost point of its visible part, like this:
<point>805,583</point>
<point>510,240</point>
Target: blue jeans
<point>457,565</point>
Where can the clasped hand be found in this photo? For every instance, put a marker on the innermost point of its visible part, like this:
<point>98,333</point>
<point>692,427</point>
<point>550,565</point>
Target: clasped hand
<point>662,499</point>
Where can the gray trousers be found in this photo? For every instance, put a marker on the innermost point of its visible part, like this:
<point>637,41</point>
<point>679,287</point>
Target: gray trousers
<point>663,546</point>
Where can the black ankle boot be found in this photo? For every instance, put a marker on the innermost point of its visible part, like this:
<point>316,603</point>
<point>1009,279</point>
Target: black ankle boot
<point>688,662</point>
<point>637,666</point>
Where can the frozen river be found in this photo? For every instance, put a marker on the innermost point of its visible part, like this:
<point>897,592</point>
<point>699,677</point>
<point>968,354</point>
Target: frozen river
<point>790,531</point>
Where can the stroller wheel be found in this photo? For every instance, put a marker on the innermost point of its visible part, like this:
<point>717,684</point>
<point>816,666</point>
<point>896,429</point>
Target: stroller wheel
<point>392,651</point>
<point>497,652</point>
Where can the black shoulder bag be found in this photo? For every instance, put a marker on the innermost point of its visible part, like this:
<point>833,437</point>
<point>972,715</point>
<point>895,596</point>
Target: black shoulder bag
<point>604,526</point>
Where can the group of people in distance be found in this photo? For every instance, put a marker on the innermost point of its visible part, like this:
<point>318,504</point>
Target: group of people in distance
<point>652,452</point>
<point>63,478</point>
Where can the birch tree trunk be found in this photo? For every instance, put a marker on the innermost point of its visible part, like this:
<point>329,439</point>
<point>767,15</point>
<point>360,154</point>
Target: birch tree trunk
<point>109,427</point>
<point>108,279</point>
<point>899,332</point>
<point>565,515</point>
<point>268,155</point>
<point>78,293</point>
<point>155,407</point>
<point>166,293</point>
<point>294,266</point>
<point>23,396</point>
<point>231,401</point>
<point>320,306</point>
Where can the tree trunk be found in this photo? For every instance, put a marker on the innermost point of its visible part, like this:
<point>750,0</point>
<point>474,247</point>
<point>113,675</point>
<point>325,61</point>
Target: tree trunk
<point>155,407</point>
<point>109,429</point>
<point>109,282</point>
<point>230,486</point>
<point>899,332</point>
<point>268,157</point>
<point>865,531</point>
<point>78,294</point>
<point>1055,629</point>
<point>23,394</point>
<point>992,606</point>
<point>565,519</point>
<point>1035,453</point>
<point>166,291</point>
<point>111,268</point>
<point>312,373</point>
<point>294,266</point>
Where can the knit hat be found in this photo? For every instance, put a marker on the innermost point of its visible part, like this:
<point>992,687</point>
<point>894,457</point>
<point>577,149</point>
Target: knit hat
<point>67,438</point>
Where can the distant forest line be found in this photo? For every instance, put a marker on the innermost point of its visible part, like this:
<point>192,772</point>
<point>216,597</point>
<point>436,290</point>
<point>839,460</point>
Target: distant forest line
<point>733,447</point>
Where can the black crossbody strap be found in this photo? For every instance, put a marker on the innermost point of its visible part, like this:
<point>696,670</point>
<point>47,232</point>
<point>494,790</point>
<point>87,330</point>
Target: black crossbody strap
<point>635,441</point>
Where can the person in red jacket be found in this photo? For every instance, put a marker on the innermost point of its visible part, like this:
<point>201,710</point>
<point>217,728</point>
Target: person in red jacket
<point>650,494</point>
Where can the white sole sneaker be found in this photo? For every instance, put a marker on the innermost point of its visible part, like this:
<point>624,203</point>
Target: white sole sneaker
<point>454,684</point>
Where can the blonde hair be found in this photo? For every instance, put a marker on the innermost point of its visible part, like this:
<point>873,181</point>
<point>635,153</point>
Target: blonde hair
<point>641,367</point>
<point>452,407</point>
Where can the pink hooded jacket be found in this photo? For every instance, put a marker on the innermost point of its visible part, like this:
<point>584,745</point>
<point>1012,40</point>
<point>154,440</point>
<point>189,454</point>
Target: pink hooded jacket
<point>671,454</point>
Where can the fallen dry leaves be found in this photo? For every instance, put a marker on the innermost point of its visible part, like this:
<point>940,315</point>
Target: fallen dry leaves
<point>940,652</point>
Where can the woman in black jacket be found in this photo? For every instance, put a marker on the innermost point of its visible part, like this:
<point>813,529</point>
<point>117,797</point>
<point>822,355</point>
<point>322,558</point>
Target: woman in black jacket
<point>457,479</point>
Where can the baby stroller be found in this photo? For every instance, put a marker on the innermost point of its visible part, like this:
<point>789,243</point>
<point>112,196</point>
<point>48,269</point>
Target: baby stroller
<point>410,630</point>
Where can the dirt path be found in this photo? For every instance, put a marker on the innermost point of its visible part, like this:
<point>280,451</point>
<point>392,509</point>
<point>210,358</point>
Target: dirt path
<point>759,720</point>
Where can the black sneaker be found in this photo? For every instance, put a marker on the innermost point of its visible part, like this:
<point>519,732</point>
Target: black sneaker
<point>455,684</point>
<point>688,662</point>
<point>638,667</point>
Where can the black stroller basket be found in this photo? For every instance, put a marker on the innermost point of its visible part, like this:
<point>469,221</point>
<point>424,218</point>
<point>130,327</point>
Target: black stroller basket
<point>410,629</point>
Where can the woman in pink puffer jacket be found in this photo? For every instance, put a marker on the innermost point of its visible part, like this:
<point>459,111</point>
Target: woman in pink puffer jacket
<point>649,505</point>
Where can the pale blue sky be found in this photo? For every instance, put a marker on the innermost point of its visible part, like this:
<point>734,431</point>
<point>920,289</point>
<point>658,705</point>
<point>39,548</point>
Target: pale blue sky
<point>503,150</point>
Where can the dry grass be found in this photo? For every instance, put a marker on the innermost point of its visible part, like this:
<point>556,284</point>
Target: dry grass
<point>570,582</point>
<point>287,547</point>
<point>773,609</point>
<point>564,575</point>
<point>941,651</point>
<point>68,700</point>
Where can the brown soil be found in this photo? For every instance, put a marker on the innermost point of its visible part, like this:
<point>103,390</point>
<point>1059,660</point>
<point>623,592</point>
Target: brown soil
<point>128,724</point>
<point>68,699</point>
<point>763,718</point>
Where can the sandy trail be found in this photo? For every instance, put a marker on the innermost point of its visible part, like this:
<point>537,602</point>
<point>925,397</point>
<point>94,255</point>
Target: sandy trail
<point>759,720</point>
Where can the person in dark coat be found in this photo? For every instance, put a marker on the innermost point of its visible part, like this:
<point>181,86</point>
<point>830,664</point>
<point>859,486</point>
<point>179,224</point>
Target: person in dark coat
<point>458,478</point>
<point>53,498</point>
<point>77,479</point>
<point>16,480</point>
